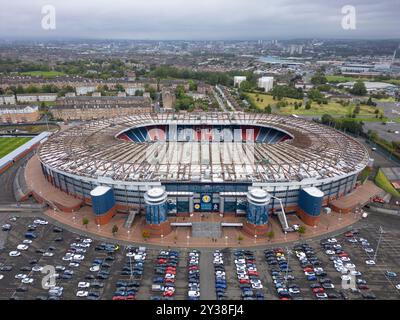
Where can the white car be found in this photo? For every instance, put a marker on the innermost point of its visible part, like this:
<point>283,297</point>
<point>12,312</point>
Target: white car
<point>318,269</point>
<point>14,254</point>
<point>355,273</point>
<point>20,276</point>
<point>398,286</point>
<point>74,264</point>
<point>257,286</point>
<point>345,259</point>
<point>67,258</point>
<point>83,285</point>
<point>94,268</point>
<point>332,240</point>
<point>87,240</point>
<point>239,261</point>
<point>369,250</point>
<point>78,257</point>
<point>1,277</point>
<point>309,273</point>
<point>22,247</point>
<point>27,280</point>
<point>37,268</point>
<point>370,262</point>
<point>48,254</point>
<point>82,294</point>
<point>41,222</point>
<point>330,252</point>
<point>27,241</point>
<point>345,277</point>
<point>194,294</point>
<point>169,276</point>
<point>350,266</point>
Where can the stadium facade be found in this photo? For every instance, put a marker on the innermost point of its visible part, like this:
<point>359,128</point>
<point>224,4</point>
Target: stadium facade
<point>206,162</point>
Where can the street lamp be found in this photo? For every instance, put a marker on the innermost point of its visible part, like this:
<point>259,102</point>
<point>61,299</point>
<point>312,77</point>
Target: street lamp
<point>162,239</point>
<point>188,237</point>
<point>255,238</point>
<point>226,240</point>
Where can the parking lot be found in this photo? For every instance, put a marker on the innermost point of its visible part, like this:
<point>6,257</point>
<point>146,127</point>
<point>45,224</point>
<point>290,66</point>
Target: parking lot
<point>90,269</point>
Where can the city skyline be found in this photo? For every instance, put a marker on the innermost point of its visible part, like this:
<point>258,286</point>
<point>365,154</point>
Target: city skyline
<point>208,20</point>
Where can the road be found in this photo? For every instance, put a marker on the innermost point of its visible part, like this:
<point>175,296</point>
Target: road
<point>207,279</point>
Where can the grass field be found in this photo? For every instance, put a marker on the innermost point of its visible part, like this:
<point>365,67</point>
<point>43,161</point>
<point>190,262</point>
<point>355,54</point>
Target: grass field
<point>332,108</point>
<point>44,74</point>
<point>8,145</point>
<point>338,79</point>
<point>383,182</point>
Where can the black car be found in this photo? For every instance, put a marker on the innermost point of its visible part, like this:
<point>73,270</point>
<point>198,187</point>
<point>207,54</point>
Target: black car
<point>57,230</point>
<point>25,269</point>
<point>6,268</point>
<point>22,289</point>
<point>90,277</point>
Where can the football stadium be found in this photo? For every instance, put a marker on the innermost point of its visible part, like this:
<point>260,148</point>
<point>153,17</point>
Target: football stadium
<point>165,165</point>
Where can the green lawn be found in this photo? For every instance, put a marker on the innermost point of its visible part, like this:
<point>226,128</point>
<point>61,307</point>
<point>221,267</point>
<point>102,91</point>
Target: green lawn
<point>383,182</point>
<point>44,74</point>
<point>339,79</point>
<point>8,145</point>
<point>333,108</point>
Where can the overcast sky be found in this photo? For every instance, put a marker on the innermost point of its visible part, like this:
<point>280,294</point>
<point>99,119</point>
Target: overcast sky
<point>199,19</point>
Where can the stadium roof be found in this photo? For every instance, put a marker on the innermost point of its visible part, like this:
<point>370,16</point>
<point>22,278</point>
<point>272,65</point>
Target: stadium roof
<point>315,153</point>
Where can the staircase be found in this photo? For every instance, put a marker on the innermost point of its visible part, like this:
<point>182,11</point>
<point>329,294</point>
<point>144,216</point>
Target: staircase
<point>206,230</point>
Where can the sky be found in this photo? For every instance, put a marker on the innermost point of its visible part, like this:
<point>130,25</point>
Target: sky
<point>199,20</point>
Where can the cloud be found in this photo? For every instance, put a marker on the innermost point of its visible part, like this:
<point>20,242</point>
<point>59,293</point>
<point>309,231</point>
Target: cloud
<point>205,19</point>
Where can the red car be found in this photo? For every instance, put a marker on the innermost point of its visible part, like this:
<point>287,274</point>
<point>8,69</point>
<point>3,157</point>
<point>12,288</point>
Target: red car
<point>116,298</point>
<point>378,200</point>
<point>308,270</point>
<point>161,261</point>
<point>363,287</point>
<point>169,280</point>
<point>349,235</point>
<point>194,268</point>
<point>343,254</point>
<point>131,298</point>
<point>318,290</point>
<point>168,293</point>
<point>170,271</point>
<point>244,281</point>
<point>253,273</point>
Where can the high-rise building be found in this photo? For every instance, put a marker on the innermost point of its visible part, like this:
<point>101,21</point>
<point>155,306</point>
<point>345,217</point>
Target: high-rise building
<point>266,82</point>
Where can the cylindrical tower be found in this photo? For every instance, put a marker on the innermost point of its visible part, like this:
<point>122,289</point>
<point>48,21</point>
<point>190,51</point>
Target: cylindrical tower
<point>103,204</point>
<point>156,206</point>
<point>258,206</point>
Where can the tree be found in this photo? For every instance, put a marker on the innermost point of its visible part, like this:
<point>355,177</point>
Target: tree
<point>319,78</point>
<point>240,238</point>
<point>268,109</point>
<point>85,222</point>
<point>270,235</point>
<point>114,229</point>
<point>359,89</point>
<point>302,230</point>
<point>308,105</point>
<point>146,234</point>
